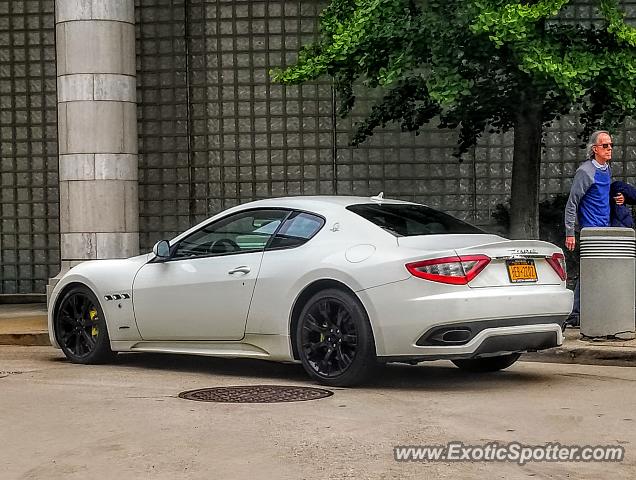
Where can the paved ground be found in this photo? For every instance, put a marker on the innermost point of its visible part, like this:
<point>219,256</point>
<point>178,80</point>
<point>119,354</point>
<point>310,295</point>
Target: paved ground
<point>64,421</point>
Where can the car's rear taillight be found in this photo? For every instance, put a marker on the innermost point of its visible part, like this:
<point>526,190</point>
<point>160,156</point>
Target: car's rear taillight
<point>557,261</point>
<point>454,270</point>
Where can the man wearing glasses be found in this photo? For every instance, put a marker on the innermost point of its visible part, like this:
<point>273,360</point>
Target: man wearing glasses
<point>589,201</point>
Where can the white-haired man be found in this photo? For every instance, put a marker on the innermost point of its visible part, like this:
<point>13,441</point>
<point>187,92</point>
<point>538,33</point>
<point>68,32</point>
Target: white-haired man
<point>589,201</point>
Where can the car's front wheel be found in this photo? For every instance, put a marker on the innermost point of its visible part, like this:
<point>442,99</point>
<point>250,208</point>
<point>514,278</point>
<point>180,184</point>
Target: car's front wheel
<point>487,364</point>
<point>334,339</point>
<point>80,327</point>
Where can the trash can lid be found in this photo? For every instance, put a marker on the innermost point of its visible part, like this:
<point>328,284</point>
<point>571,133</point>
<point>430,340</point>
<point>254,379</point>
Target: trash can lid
<point>608,232</point>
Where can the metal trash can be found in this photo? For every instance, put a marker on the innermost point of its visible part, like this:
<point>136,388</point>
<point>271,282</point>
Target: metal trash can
<point>607,281</point>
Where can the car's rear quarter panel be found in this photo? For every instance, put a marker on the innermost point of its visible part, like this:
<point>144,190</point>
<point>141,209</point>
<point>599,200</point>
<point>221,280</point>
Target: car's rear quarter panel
<point>401,312</point>
<point>284,274</point>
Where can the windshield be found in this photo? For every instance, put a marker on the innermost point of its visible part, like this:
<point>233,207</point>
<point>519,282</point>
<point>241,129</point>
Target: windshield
<point>404,220</point>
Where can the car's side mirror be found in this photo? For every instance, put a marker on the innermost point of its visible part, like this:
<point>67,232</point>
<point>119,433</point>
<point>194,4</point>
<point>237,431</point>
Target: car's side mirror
<point>162,249</point>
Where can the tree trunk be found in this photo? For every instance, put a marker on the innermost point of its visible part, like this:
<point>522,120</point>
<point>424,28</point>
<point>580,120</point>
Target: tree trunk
<point>524,202</point>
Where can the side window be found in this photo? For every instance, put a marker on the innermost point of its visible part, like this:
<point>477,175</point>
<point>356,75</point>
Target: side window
<point>296,230</point>
<point>242,232</point>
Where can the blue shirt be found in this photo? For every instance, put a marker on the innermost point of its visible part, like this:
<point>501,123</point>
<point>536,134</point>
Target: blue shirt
<point>589,197</point>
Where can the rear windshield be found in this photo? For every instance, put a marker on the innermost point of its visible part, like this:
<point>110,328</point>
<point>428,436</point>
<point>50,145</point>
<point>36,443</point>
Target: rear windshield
<point>410,220</point>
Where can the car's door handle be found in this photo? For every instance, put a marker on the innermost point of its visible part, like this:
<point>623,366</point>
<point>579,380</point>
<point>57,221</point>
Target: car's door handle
<point>241,269</point>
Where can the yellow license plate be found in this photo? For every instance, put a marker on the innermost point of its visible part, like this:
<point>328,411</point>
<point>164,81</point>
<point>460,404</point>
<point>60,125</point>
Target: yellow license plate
<point>521,271</point>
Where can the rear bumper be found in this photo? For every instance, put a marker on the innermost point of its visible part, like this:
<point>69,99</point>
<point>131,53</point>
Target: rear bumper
<point>456,334</point>
<point>402,313</point>
<point>495,341</point>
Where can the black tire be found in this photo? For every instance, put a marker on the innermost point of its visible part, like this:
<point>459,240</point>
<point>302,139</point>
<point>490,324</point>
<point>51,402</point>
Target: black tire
<point>334,339</point>
<point>487,364</point>
<point>80,327</point>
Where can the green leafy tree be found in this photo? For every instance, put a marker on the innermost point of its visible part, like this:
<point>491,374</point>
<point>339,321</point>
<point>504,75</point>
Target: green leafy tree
<point>477,65</point>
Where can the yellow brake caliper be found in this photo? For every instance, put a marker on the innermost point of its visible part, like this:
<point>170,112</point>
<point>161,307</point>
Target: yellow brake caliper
<point>93,314</point>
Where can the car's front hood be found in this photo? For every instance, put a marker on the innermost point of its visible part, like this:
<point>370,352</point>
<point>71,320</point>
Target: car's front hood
<point>106,264</point>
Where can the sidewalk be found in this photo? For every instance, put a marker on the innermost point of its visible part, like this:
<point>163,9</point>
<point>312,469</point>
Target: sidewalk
<point>25,324</point>
<point>588,352</point>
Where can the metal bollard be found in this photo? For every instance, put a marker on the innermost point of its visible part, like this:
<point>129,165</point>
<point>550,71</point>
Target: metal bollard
<point>607,281</point>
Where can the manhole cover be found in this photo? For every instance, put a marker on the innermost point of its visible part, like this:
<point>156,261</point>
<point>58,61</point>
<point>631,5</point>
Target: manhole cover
<point>256,394</point>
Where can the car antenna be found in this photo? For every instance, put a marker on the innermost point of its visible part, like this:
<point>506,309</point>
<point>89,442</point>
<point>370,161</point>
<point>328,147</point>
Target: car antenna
<point>379,197</point>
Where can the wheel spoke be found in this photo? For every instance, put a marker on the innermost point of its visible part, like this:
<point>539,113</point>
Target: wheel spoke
<point>324,310</point>
<point>79,303</point>
<point>329,354</point>
<point>84,309</point>
<point>65,339</point>
<point>67,309</point>
<point>350,339</point>
<point>313,324</point>
<point>71,304</point>
<point>313,347</point>
<point>67,320</point>
<point>342,313</point>
<point>77,344</point>
<point>326,363</point>
<point>343,359</point>
<point>90,341</point>
<point>86,348</point>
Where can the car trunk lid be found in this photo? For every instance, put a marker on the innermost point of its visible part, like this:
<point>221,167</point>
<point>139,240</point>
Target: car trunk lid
<point>514,263</point>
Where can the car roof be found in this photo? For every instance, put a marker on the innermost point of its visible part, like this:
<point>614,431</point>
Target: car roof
<point>319,202</point>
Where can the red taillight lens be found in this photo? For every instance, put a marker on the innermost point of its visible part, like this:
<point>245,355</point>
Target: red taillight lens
<point>454,270</point>
<point>557,261</point>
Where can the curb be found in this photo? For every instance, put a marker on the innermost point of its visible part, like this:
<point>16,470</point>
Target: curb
<point>22,298</point>
<point>29,339</point>
<point>610,356</point>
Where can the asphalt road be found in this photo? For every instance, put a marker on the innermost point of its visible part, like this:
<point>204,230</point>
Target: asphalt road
<point>65,421</point>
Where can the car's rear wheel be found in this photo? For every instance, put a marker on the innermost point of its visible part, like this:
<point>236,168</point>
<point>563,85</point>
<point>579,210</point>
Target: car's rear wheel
<point>487,364</point>
<point>334,339</point>
<point>80,328</point>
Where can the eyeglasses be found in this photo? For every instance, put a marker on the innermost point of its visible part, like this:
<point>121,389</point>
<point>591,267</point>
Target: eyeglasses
<point>604,145</point>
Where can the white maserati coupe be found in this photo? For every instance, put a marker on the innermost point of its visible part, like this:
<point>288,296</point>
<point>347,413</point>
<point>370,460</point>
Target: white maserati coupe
<point>337,283</point>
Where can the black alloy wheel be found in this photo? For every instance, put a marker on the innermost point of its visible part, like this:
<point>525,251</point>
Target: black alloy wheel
<point>80,328</point>
<point>334,339</point>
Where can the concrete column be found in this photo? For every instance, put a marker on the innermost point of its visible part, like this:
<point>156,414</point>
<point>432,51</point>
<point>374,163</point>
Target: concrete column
<point>97,128</point>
